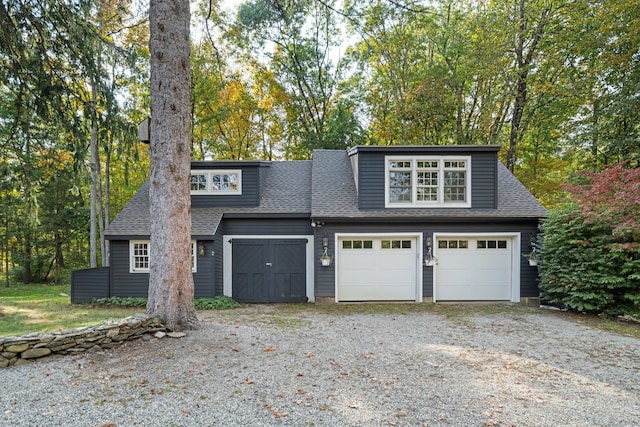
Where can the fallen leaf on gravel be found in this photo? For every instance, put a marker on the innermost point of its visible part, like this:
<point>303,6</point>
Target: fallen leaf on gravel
<point>278,414</point>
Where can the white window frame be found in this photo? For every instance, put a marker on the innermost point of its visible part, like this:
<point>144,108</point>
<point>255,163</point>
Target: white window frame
<point>132,256</point>
<point>440,202</point>
<point>209,176</point>
<point>132,264</point>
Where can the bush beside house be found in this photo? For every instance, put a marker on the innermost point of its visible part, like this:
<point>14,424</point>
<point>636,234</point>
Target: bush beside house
<point>591,247</point>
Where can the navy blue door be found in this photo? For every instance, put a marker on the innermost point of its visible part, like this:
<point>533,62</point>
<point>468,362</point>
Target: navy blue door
<point>269,270</point>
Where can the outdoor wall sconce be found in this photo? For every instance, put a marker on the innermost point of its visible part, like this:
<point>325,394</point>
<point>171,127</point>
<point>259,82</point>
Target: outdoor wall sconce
<point>325,259</point>
<point>429,259</point>
<point>201,249</point>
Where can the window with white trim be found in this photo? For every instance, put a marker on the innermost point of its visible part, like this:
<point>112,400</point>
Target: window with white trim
<point>139,256</point>
<point>216,182</point>
<point>427,181</point>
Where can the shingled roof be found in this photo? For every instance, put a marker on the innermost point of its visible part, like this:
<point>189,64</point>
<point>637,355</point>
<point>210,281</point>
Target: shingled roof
<point>334,196</point>
<point>324,188</point>
<point>285,190</point>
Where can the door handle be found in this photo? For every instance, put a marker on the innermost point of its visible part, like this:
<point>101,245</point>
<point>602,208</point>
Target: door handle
<point>269,264</point>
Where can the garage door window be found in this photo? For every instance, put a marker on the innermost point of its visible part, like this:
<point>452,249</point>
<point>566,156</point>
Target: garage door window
<point>453,244</point>
<point>492,244</point>
<point>396,244</point>
<point>357,244</point>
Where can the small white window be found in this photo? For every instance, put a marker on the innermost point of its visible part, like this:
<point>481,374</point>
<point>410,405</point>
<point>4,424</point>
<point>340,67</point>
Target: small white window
<point>427,181</point>
<point>139,256</point>
<point>216,182</point>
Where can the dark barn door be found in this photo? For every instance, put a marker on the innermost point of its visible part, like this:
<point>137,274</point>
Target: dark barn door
<point>269,270</point>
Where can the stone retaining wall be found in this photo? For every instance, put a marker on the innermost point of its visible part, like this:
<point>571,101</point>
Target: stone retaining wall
<point>20,350</point>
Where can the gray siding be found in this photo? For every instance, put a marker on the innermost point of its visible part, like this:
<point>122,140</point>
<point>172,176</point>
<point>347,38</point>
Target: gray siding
<point>123,283</point>
<point>267,226</point>
<point>126,284</point>
<point>217,262</point>
<point>88,284</point>
<point>325,276</point>
<point>250,196</point>
<point>484,178</point>
<point>484,181</point>
<point>203,279</point>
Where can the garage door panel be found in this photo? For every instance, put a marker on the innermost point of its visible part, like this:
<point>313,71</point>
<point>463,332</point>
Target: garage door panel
<point>480,272</point>
<point>377,274</point>
<point>269,270</point>
<point>377,293</point>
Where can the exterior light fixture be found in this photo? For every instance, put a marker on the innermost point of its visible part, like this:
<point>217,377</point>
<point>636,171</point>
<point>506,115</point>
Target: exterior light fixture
<point>325,259</point>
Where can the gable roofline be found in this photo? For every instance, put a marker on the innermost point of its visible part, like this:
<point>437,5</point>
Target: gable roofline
<point>414,148</point>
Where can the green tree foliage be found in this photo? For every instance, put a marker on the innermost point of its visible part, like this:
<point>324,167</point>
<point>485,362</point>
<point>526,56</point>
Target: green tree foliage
<point>591,251</point>
<point>63,65</point>
<point>293,41</point>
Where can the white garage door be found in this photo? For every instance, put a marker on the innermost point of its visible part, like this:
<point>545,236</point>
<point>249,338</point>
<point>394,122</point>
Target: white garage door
<point>474,269</point>
<point>377,268</point>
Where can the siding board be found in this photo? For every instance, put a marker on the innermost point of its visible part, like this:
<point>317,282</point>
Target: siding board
<point>126,284</point>
<point>89,284</point>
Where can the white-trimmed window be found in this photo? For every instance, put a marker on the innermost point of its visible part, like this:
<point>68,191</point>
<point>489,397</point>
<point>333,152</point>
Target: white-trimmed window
<point>139,256</point>
<point>427,181</point>
<point>216,182</point>
<point>139,251</point>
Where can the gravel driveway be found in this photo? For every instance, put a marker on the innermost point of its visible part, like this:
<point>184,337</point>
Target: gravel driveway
<point>271,365</point>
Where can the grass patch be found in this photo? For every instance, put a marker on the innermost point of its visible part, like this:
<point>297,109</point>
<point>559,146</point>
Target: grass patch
<point>46,308</point>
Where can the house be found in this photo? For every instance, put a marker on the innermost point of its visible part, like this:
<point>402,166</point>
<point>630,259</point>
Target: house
<point>374,223</point>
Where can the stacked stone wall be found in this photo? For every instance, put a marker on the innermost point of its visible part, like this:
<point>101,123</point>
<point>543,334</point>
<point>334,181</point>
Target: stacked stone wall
<point>20,350</point>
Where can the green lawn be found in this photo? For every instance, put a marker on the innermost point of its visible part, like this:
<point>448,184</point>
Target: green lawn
<point>46,308</point>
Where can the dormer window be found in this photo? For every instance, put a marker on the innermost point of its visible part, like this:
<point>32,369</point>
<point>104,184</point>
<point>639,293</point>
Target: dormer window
<point>427,181</point>
<point>216,182</point>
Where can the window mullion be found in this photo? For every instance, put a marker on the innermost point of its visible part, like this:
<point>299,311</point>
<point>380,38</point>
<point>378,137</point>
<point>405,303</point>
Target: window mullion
<point>441,182</point>
<point>414,181</point>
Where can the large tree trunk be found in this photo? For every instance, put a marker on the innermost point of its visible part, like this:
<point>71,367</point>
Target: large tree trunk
<point>170,278</point>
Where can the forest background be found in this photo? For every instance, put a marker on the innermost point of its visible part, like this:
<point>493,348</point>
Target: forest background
<point>555,83</point>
